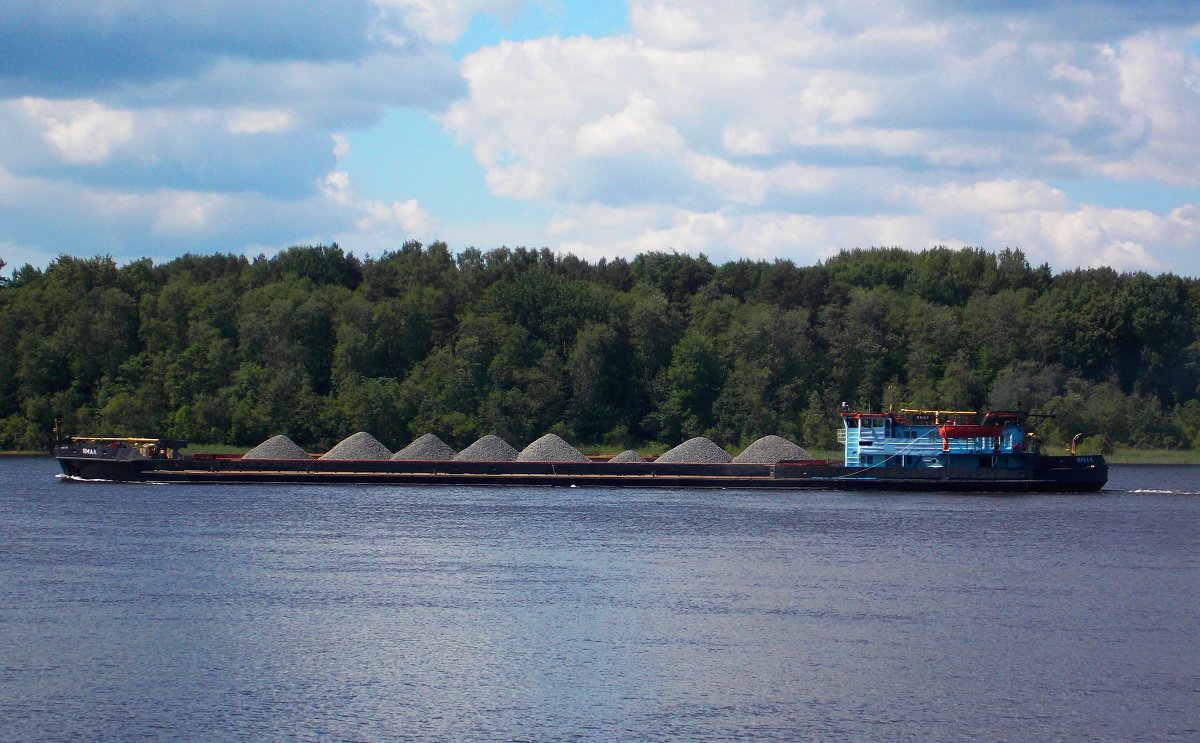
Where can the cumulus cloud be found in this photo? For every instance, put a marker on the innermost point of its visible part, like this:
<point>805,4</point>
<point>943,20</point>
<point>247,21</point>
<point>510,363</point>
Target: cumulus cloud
<point>80,131</point>
<point>596,231</point>
<point>148,128</point>
<point>720,126</point>
<point>396,221</point>
<point>128,223</point>
<point>989,197</point>
<point>209,149</point>
<point>766,128</point>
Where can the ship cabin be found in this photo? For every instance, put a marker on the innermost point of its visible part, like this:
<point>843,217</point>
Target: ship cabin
<point>121,447</point>
<point>936,438</point>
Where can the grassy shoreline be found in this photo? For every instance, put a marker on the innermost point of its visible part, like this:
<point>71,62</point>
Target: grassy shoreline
<point>1154,456</point>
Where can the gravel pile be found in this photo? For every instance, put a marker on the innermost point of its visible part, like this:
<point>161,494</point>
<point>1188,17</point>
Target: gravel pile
<point>771,449</point>
<point>551,448</point>
<point>627,456</point>
<point>698,449</point>
<point>490,448</point>
<point>276,447</point>
<point>361,445</point>
<point>428,448</point>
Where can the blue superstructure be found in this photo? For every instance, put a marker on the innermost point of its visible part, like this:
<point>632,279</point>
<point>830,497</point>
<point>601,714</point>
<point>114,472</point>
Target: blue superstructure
<point>937,438</point>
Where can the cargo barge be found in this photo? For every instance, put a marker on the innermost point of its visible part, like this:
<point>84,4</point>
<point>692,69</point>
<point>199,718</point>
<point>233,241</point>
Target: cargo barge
<point>915,450</point>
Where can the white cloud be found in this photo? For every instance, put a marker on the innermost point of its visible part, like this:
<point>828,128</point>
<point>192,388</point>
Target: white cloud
<point>159,130</point>
<point>717,126</point>
<point>82,131</point>
<point>341,145</point>
<point>394,221</point>
<point>161,223</point>
<point>670,25</point>
<point>835,98</point>
<point>14,190</point>
<point>1125,239</point>
<point>595,231</point>
<point>1066,238</point>
<point>187,213</point>
<point>987,197</point>
<point>767,128</point>
<point>743,138</point>
<point>794,178</point>
<point>439,21</point>
<point>1159,90</point>
<point>636,130</point>
<point>404,219</point>
<point>174,148</point>
<point>258,122</point>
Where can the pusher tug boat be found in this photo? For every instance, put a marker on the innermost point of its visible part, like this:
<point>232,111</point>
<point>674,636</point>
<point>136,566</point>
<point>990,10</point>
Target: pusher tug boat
<point>930,450</point>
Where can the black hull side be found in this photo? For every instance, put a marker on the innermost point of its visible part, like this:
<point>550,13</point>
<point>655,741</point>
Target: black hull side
<point>1045,474</point>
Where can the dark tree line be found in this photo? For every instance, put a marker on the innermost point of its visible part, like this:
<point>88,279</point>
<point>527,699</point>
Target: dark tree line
<point>316,343</point>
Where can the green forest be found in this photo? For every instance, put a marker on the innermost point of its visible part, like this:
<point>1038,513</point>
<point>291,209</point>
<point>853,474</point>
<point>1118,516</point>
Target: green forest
<point>316,344</point>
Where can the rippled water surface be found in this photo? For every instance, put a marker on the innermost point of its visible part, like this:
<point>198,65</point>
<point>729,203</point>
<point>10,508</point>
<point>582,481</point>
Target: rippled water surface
<point>132,612</point>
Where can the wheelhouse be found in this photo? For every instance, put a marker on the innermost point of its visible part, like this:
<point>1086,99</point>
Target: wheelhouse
<point>936,438</point>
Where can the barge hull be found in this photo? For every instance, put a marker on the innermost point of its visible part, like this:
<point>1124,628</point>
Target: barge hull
<point>1048,474</point>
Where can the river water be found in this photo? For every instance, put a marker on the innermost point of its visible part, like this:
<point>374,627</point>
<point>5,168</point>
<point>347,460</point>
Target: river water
<point>142,612</point>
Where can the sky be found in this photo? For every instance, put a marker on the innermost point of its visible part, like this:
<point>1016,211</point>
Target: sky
<point>1069,129</point>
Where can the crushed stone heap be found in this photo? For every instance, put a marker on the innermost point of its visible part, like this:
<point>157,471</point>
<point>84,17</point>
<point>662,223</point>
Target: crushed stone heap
<point>361,445</point>
<point>490,448</point>
<point>428,448</point>
<point>551,448</point>
<point>698,449</point>
<point>771,449</point>
<point>629,456</point>
<point>276,447</point>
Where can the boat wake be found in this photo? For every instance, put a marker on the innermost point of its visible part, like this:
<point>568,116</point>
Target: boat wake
<point>76,478</point>
<point>1154,491</point>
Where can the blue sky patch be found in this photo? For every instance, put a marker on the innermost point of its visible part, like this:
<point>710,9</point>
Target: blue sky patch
<point>407,154</point>
<point>1159,198</point>
<point>537,20</point>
